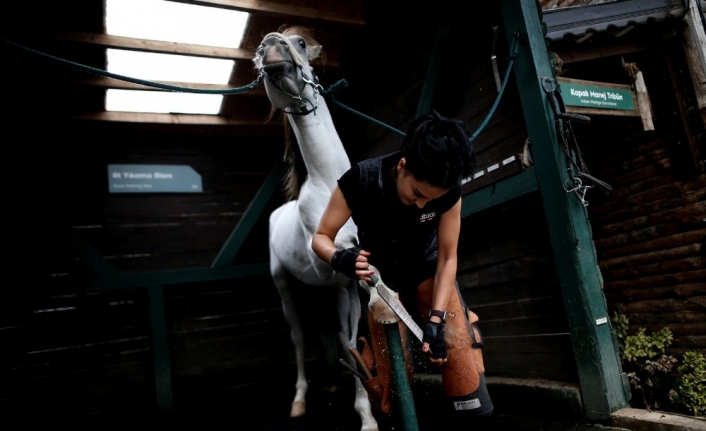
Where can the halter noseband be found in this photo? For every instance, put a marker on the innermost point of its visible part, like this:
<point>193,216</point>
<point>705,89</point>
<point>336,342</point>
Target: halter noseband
<point>296,58</point>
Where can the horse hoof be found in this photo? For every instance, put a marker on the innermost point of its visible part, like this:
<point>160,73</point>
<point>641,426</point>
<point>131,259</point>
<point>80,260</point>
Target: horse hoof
<point>298,409</point>
<point>382,313</point>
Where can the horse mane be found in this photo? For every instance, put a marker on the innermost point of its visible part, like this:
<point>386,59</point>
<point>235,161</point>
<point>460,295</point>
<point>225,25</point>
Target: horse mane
<point>296,171</point>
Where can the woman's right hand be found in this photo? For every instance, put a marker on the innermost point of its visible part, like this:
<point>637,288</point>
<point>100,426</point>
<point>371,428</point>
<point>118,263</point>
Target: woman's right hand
<point>352,262</point>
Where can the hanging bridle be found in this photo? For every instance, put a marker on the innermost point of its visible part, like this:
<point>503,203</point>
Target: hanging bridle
<point>314,82</point>
<point>580,180</point>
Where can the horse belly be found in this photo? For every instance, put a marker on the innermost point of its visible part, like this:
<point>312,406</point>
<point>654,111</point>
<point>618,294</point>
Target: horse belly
<point>291,246</point>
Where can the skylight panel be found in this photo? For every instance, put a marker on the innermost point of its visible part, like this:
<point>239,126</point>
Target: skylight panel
<point>161,102</point>
<point>171,22</point>
<point>175,22</point>
<point>167,67</point>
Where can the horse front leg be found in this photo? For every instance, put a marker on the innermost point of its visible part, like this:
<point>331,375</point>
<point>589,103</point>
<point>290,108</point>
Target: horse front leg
<point>349,314</point>
<point>280,279</point>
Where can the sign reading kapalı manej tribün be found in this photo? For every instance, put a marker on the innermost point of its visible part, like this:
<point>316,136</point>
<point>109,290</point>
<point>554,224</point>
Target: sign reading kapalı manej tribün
<point>594,95</point>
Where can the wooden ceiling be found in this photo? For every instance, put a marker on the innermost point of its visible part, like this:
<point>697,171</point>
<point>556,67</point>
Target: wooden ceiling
<point>75,32</point>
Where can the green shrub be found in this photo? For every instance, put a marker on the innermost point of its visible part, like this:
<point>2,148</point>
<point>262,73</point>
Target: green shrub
<point>689,393</point>
<point>650,369</point>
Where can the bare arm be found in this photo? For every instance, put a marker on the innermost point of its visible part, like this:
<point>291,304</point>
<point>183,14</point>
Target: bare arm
<point>447,260</point>
<point>335,216</point>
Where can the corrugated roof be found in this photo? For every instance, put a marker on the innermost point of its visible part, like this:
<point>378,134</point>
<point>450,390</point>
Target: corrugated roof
<point>577,21</point>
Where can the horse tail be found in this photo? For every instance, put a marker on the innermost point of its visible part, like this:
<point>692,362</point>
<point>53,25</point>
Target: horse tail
<point>296,170</point>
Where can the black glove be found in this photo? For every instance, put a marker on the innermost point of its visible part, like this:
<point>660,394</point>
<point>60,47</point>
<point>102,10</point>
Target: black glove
<point>434,335</point>
<point>344,261</point>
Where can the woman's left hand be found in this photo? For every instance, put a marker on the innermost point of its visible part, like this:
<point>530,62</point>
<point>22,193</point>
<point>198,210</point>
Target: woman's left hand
<point>434,342</point>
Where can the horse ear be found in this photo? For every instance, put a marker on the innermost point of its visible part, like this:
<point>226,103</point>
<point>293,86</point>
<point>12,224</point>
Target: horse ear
<point>313,51</point>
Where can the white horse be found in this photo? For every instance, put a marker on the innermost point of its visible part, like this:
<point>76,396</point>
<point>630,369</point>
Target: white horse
<point>283,61</point>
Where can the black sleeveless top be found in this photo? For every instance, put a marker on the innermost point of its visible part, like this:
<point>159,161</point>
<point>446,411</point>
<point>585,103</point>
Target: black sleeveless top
<point>401,238</point>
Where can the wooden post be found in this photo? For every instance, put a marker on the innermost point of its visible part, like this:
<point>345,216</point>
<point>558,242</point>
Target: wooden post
<point>643,101</point>
<point>160,350</point>
<point>695,53</point>
<point>602,382</point>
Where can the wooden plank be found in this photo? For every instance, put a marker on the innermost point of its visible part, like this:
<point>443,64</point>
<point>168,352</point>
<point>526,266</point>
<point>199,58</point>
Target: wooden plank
<point>658,280</point>
<point>517,309</point>
<point>507,271</point>
<point>668,254</point>
<point>284,10</point>
<point>654,269</point>
<point>677,316</point>
<point>664,198</point>
<point>548,324</point>
<point>154,46</point>
<point>161,47</point>
<point>679,239</point>
<point>669,227</point>
<point>257,124</point>
<point>543,343</point>
<point>495,172</point>
<point>499,193</point>
<point>690,214</point>
<point>189,275</point>
<point>519,289</point>
<point>584,52</point>
<point>617,297</point>
<point>530,365</point>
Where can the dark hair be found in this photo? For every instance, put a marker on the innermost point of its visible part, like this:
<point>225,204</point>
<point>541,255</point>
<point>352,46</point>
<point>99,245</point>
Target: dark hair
<point>438,150</point>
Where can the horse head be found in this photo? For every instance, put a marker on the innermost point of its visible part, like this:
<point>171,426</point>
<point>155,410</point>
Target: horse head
<point>282,60</point>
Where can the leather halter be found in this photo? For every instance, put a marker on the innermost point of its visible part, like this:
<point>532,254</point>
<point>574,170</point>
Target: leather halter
<point>314,82</point>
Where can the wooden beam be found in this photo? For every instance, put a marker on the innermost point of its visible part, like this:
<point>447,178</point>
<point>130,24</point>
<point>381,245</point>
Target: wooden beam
<point>156,46</point>
<point>161,47</point>
<point>499,193</point>
<point>170,277</point>
<point>185,119</point>
<point>578,53</point>
<point>285,10</point>
<point>604,388</point>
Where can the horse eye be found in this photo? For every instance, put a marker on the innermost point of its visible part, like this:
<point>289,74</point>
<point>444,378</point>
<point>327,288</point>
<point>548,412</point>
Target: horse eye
<point>302,43</point>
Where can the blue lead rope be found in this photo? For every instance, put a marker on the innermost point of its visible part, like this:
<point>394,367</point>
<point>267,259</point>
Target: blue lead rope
<point>93,70</point>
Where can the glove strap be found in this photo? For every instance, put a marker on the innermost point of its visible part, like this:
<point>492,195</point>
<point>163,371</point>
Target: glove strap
<point>438,313</point>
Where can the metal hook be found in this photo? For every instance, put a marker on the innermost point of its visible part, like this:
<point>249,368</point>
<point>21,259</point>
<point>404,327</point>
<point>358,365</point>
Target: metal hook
<point>575,185</point>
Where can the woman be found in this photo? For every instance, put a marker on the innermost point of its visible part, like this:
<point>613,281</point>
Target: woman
<point>407,207</point>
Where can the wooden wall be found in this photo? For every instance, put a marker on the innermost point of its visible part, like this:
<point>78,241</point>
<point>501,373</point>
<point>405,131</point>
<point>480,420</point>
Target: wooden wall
<point>78,352</point>
<point>650,231</point>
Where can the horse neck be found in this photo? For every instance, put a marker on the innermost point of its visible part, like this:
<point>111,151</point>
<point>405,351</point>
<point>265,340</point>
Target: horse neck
<point>321,147</point>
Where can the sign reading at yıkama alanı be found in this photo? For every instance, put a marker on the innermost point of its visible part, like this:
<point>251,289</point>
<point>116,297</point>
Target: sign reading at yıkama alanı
<point>153,179</point>
<point>597,96</point>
